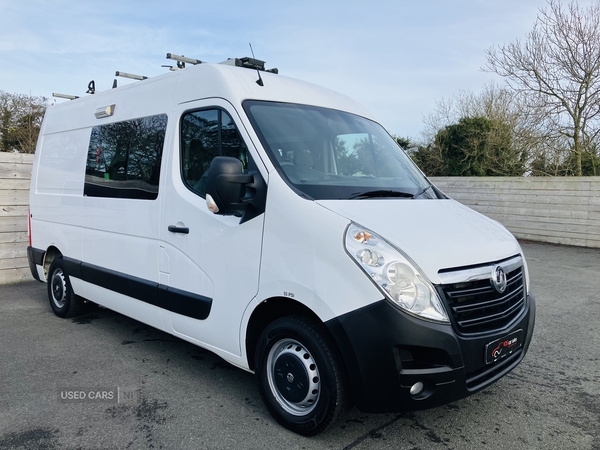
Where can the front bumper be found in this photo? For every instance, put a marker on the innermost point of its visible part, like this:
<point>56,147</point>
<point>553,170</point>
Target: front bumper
<point>386,351</point>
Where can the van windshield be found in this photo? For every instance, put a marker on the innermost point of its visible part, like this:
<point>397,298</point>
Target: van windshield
<point>329,154</point>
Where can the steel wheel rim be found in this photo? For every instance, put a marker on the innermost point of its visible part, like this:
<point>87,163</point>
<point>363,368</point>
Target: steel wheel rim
<point>309,388</point>
<point>58,288</point>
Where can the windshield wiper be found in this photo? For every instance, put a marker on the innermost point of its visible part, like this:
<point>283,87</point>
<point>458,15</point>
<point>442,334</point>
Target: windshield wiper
<point>380,193</point>
<point>421,192</point>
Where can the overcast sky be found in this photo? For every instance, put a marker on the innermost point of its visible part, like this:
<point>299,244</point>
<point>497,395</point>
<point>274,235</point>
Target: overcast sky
<point>396,57</point>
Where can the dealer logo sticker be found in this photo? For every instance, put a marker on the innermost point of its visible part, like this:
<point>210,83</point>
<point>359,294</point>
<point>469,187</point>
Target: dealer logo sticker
<point>501,348</point>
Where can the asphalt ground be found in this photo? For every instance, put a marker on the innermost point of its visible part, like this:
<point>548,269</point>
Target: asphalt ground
<point>173,395</point>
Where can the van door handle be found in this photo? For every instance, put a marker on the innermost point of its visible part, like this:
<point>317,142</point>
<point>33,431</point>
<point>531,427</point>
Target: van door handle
<point>175,229</point>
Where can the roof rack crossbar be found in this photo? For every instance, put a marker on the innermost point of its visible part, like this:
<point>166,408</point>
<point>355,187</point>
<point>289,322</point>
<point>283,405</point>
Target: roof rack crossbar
<point>181,60</point>
<point>68,97</point>
<point>130,75</point>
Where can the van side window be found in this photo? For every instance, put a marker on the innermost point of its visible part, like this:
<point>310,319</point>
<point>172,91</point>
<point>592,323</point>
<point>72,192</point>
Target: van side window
<point>124,158</point>
<point>205,134</point>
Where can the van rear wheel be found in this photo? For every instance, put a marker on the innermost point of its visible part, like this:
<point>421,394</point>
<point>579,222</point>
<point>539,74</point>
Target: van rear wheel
<point>300,376</point>
<point>60,293</point>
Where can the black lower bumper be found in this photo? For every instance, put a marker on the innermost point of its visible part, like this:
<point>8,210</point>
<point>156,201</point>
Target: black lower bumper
<point>387,351</point>
<point>35,258</point>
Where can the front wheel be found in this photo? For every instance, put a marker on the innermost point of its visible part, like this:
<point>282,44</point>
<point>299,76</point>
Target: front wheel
<point>60,293</point>
<point>300,376</point>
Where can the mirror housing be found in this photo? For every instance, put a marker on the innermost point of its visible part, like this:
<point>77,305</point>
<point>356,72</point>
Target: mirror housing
<point>226,192</point>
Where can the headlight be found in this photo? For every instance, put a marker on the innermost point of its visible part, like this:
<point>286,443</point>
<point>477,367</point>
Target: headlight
<point>394,273</point>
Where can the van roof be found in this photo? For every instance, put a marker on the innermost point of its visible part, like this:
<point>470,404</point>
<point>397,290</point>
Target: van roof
<point>160,94</point>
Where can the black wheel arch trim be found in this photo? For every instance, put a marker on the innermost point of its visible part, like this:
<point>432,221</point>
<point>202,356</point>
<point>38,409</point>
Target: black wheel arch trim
<point>35,257</point>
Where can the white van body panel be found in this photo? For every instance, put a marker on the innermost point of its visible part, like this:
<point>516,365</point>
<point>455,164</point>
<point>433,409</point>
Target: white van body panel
<point>61,161</point>
<point>305,259</point>
<point>215,80</point>
<point>130,307</point>
<point>57,181</point>
<point>219,258</point>
<point>422,228</point>
<point>107,242</point>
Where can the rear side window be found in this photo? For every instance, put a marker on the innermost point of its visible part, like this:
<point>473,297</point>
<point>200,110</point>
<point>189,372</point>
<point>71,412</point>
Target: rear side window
<point>205,134</point>
<point>124,158</point>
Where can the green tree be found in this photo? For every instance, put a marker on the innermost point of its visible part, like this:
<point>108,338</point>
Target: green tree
<point>475,146</point>
<point>430,159</point>
<point>404,142</point>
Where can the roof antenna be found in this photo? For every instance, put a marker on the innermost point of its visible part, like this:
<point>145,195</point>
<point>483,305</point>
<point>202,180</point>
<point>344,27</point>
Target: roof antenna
<point>259,81</point>
<point>91,87</point>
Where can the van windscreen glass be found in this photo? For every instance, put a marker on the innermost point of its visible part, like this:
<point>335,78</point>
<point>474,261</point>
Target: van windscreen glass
<point>330,154</point>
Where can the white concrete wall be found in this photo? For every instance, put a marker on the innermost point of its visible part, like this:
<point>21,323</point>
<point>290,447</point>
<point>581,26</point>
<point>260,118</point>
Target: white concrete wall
<point>15,172</point>
<point>561,210</point>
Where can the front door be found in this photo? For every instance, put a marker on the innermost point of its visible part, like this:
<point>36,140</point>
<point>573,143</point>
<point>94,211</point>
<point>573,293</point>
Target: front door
<point>210,263</point>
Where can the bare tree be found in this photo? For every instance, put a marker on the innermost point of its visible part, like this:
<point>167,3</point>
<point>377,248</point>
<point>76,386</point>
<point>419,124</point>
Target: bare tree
<point>557,69</point>
<point>20,121</point>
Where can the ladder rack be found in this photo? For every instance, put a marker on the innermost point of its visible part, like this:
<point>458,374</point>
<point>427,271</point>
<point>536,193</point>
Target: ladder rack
<point>245,62</point>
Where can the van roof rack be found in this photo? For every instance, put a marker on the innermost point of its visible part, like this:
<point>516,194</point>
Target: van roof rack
<point>245,62</point>
<point>68,97</point>
<point>130,75</point>
<point>181,60</point>
<point>249,63</point>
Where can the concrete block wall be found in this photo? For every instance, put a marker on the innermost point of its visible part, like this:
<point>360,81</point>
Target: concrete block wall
<point>560,210</point>
<point>15,172</point>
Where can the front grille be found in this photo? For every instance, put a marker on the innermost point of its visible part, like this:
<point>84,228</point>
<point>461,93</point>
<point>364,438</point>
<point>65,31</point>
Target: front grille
<point>476,306</point>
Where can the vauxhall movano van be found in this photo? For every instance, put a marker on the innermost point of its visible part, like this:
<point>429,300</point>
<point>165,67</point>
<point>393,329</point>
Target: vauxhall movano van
<point>278,225</point>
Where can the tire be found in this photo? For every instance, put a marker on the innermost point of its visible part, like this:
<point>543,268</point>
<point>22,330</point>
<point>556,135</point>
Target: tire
<point>60,293</point>
<point>300,377</point>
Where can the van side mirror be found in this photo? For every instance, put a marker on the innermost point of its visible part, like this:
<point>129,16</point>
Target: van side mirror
<point>226,186</point>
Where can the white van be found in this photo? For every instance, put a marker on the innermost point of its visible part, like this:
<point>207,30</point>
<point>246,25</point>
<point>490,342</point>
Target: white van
<point>278,225</point>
